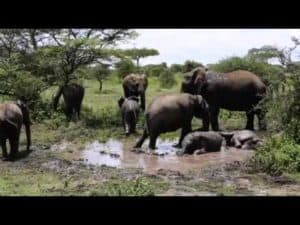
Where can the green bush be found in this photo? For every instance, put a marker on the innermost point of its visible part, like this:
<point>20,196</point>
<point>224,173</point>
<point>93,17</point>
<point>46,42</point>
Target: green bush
<point>138,187</point>
<point>155,70</point>
<point>270,74</point>
<point>106,117</point>
<point>279,154</point>
<point>167,79</point>
<point>125,67</point>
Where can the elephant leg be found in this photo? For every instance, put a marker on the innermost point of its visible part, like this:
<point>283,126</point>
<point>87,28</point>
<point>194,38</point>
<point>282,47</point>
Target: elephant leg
<point>261,119</point>
<point>14,147</point>
<point>143,101</point>
<point>123,122</point>
<point>132,127</point>
<point>126,92</point>
<point>127,128</point>
<point>78,109</point>
<point>184,131</point>
<point>4,149</point>
<point>68,112</point>
<point>152,142</point>
<point>250,120</point>
<point>214,114</point>
<point>142,139</point>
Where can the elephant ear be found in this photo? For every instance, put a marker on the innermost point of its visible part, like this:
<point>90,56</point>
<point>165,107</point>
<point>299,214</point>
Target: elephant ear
<point>227,135</point>
<point>121,101</point>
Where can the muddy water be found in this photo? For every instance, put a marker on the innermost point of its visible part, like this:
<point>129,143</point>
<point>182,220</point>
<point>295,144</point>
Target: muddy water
<point>117,154</point>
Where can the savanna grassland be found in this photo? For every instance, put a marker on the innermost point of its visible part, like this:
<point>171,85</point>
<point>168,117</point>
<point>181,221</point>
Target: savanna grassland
<point>51,169</point>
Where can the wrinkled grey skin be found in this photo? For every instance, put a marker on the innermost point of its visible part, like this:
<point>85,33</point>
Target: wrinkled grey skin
<point>12,116</point>
<point>130,113</point>
<point>73,95</point>
<point>170,112</point>
<point>244,139</point>
<point>235,91</point>
<point>201,142</point>
<point>136,85</point>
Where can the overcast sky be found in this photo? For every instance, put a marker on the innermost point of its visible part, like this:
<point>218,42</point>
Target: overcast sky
<point>206,45</point>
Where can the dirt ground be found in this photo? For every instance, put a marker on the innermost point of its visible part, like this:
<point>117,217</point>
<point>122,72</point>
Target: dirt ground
<point>109,168</point>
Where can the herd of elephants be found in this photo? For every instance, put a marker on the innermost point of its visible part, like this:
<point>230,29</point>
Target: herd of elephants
<point>203,93</point>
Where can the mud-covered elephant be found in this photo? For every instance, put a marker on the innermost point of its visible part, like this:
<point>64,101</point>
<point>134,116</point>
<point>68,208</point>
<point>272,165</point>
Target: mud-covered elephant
<point>136,85</point>
<point>12,117</point>
<point>73,96</point>
<point>244,139</point>
<point>130,113</point>
<point>236,91</point>
<point>171,112</point>
<point>201,142</point>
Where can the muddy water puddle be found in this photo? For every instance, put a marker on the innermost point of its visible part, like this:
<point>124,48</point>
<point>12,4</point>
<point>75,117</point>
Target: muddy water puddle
<point>120,155</point>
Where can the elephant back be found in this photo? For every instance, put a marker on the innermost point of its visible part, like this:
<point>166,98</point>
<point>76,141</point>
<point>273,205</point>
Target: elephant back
<point>11,113</point>
<point>73,91</point>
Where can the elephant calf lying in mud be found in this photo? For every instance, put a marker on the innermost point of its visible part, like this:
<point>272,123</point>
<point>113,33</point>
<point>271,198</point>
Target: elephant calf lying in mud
<point>244,139</point>
<point>200,142</point>
<point>130,113</point>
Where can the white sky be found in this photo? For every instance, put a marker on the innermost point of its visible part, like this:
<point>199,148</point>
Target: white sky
<point>206,45</point>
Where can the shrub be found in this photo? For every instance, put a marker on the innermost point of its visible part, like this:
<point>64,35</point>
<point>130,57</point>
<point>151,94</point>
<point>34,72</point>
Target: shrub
<point>279,154</point>
<point>138,187</point>
<point>167,79</point>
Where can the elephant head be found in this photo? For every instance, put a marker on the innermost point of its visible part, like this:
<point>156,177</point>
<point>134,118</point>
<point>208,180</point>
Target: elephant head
<point>26,120</point>
<point>136,85</point>
<point>142,84</point>
<point>201,111</point>
<point>194,81</point>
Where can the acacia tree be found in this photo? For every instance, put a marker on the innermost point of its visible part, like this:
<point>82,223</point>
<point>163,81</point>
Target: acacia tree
<point>52,56</point>
<point>18,70</point>
<point>72,49</point>
<point>101,72</point>
<point>136,54</point>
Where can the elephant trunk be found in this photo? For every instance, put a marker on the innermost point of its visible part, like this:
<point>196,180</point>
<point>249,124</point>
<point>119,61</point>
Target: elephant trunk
<point>143,100</point>
<point>57,96</point>
<point>205,120</point>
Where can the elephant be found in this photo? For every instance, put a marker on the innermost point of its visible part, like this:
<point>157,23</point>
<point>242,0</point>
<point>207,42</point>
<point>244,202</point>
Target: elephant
<point>236,91</point>
<point>12,116</point>
<point>201,142</point>
<point>130,113</point>
<point>136,85</point>
<point>170,112</point>
<point>244,139</point>
<point>73,95</point>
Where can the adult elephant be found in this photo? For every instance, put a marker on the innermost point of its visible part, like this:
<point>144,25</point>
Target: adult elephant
<point>170,112</point>
<point>73,96</point>
<point>12,116</point>
<point>237,91</point>
<point>136,85</point>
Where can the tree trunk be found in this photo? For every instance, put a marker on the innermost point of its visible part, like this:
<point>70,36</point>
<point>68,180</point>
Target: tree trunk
<point>100,83</point>
<point>56,97</point>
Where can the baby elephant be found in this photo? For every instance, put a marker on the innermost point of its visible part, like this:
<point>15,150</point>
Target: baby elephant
<point>244,139</point>
<point>130,113</point>
<point>201,142</point>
